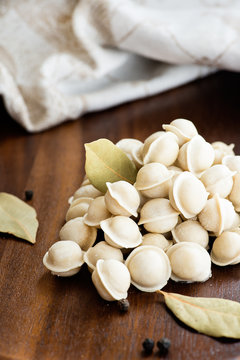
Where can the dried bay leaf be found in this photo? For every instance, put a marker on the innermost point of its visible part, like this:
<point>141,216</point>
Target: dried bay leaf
<point>17,218</point>
<point>106,162</point>
<point>211,316</point>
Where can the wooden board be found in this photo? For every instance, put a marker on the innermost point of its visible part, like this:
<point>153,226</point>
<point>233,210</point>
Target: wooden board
<point>45,317</point>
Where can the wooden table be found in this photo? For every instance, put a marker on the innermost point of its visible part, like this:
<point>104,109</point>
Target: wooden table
<point>49,318</point>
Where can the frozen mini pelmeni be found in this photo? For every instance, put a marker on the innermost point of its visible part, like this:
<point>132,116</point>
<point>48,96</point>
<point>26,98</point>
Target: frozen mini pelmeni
<point>196,155</point>
<point>64,258</point>
<point>133,149</point>
<point>76,230</point>
<point>191,231</point>
<point>160,147</point>
<point>190,262</point>
<point>226,249</point>
<point>121,232</point>
<point>218,215</point>
<point>184,129</point>
<point>221,149</point>
<point>218,179</point>
<point>153,180</point>
<point>111,279</point>
<point>78,208</point>
<point>232,162</point>
<point>176,170</point>
<point>149,268</point>
<point>97,212</point>
<point>83,201</point>
<point>122,198</point>
<point>158,240</point>
<point>87,190</point>
<point>101,250</point>
<point>234,195</point>
<point>188,194</point>
<point>158,216</point>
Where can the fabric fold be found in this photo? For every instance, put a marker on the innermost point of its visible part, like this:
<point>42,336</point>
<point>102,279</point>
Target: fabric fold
<point>63,58</point>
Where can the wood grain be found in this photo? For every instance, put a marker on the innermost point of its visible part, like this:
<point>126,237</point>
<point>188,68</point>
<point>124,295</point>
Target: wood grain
<point>45,317</point>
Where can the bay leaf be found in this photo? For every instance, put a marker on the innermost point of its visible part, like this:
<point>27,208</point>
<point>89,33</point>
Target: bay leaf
<point>211,316</point>
<point>106,162</point>
<point>17,218</point>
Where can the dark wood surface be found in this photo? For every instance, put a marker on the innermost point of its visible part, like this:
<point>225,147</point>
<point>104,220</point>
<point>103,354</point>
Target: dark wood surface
<point>49,318</point>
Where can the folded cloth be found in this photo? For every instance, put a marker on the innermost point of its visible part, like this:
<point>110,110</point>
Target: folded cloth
<point>62,58</point>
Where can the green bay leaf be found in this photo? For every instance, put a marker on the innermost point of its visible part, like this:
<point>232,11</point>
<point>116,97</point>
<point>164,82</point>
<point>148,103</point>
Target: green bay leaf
<point>211,316</point>
<point>106,162</point>
<point>17,218</point>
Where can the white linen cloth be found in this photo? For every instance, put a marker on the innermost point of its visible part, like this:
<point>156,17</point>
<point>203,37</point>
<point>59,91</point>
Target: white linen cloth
<point>62,58</point>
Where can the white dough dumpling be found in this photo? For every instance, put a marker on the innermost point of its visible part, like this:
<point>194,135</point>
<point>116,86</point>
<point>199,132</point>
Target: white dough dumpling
<point>158,216</point>
<point>184,129</point>
<point>196,155</point>
<point>158,240</point>
<point>78,208</point>
<point>160,147</point>
<point>133,149</point>
<point>218,179</point>
<point>76,230</point>
<point>111,279</point>
<point>221,149</point>
<point>234,195</point>
<point>190,262</point>
<point>122,198</point>
<point>232,162</point>
<point>149,268</point>
<point>97,212</point>
<point>226,249</point>
<point>101,250</point>
<point>154,180</point>
<point>188,195</point>
<point>121,232</point>
<point>218,215</point>
<point>191,231</point>
<point>64,258</point>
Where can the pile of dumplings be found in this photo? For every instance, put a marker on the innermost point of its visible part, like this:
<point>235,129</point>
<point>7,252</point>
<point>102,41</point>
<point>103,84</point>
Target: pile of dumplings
<point>186,191</point>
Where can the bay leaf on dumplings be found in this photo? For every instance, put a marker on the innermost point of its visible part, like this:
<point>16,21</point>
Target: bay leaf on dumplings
<point>17,218</point>
<point>211,316</point>
<point>105,162</point>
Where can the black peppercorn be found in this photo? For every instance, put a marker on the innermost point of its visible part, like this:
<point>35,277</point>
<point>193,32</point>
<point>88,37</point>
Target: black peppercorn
<point>28,194</point>
<point>148,345</point>
<point>123,305</point>
<point>163,345</point>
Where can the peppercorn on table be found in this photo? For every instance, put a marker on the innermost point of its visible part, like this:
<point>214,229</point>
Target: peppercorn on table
<point>48,317</point>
